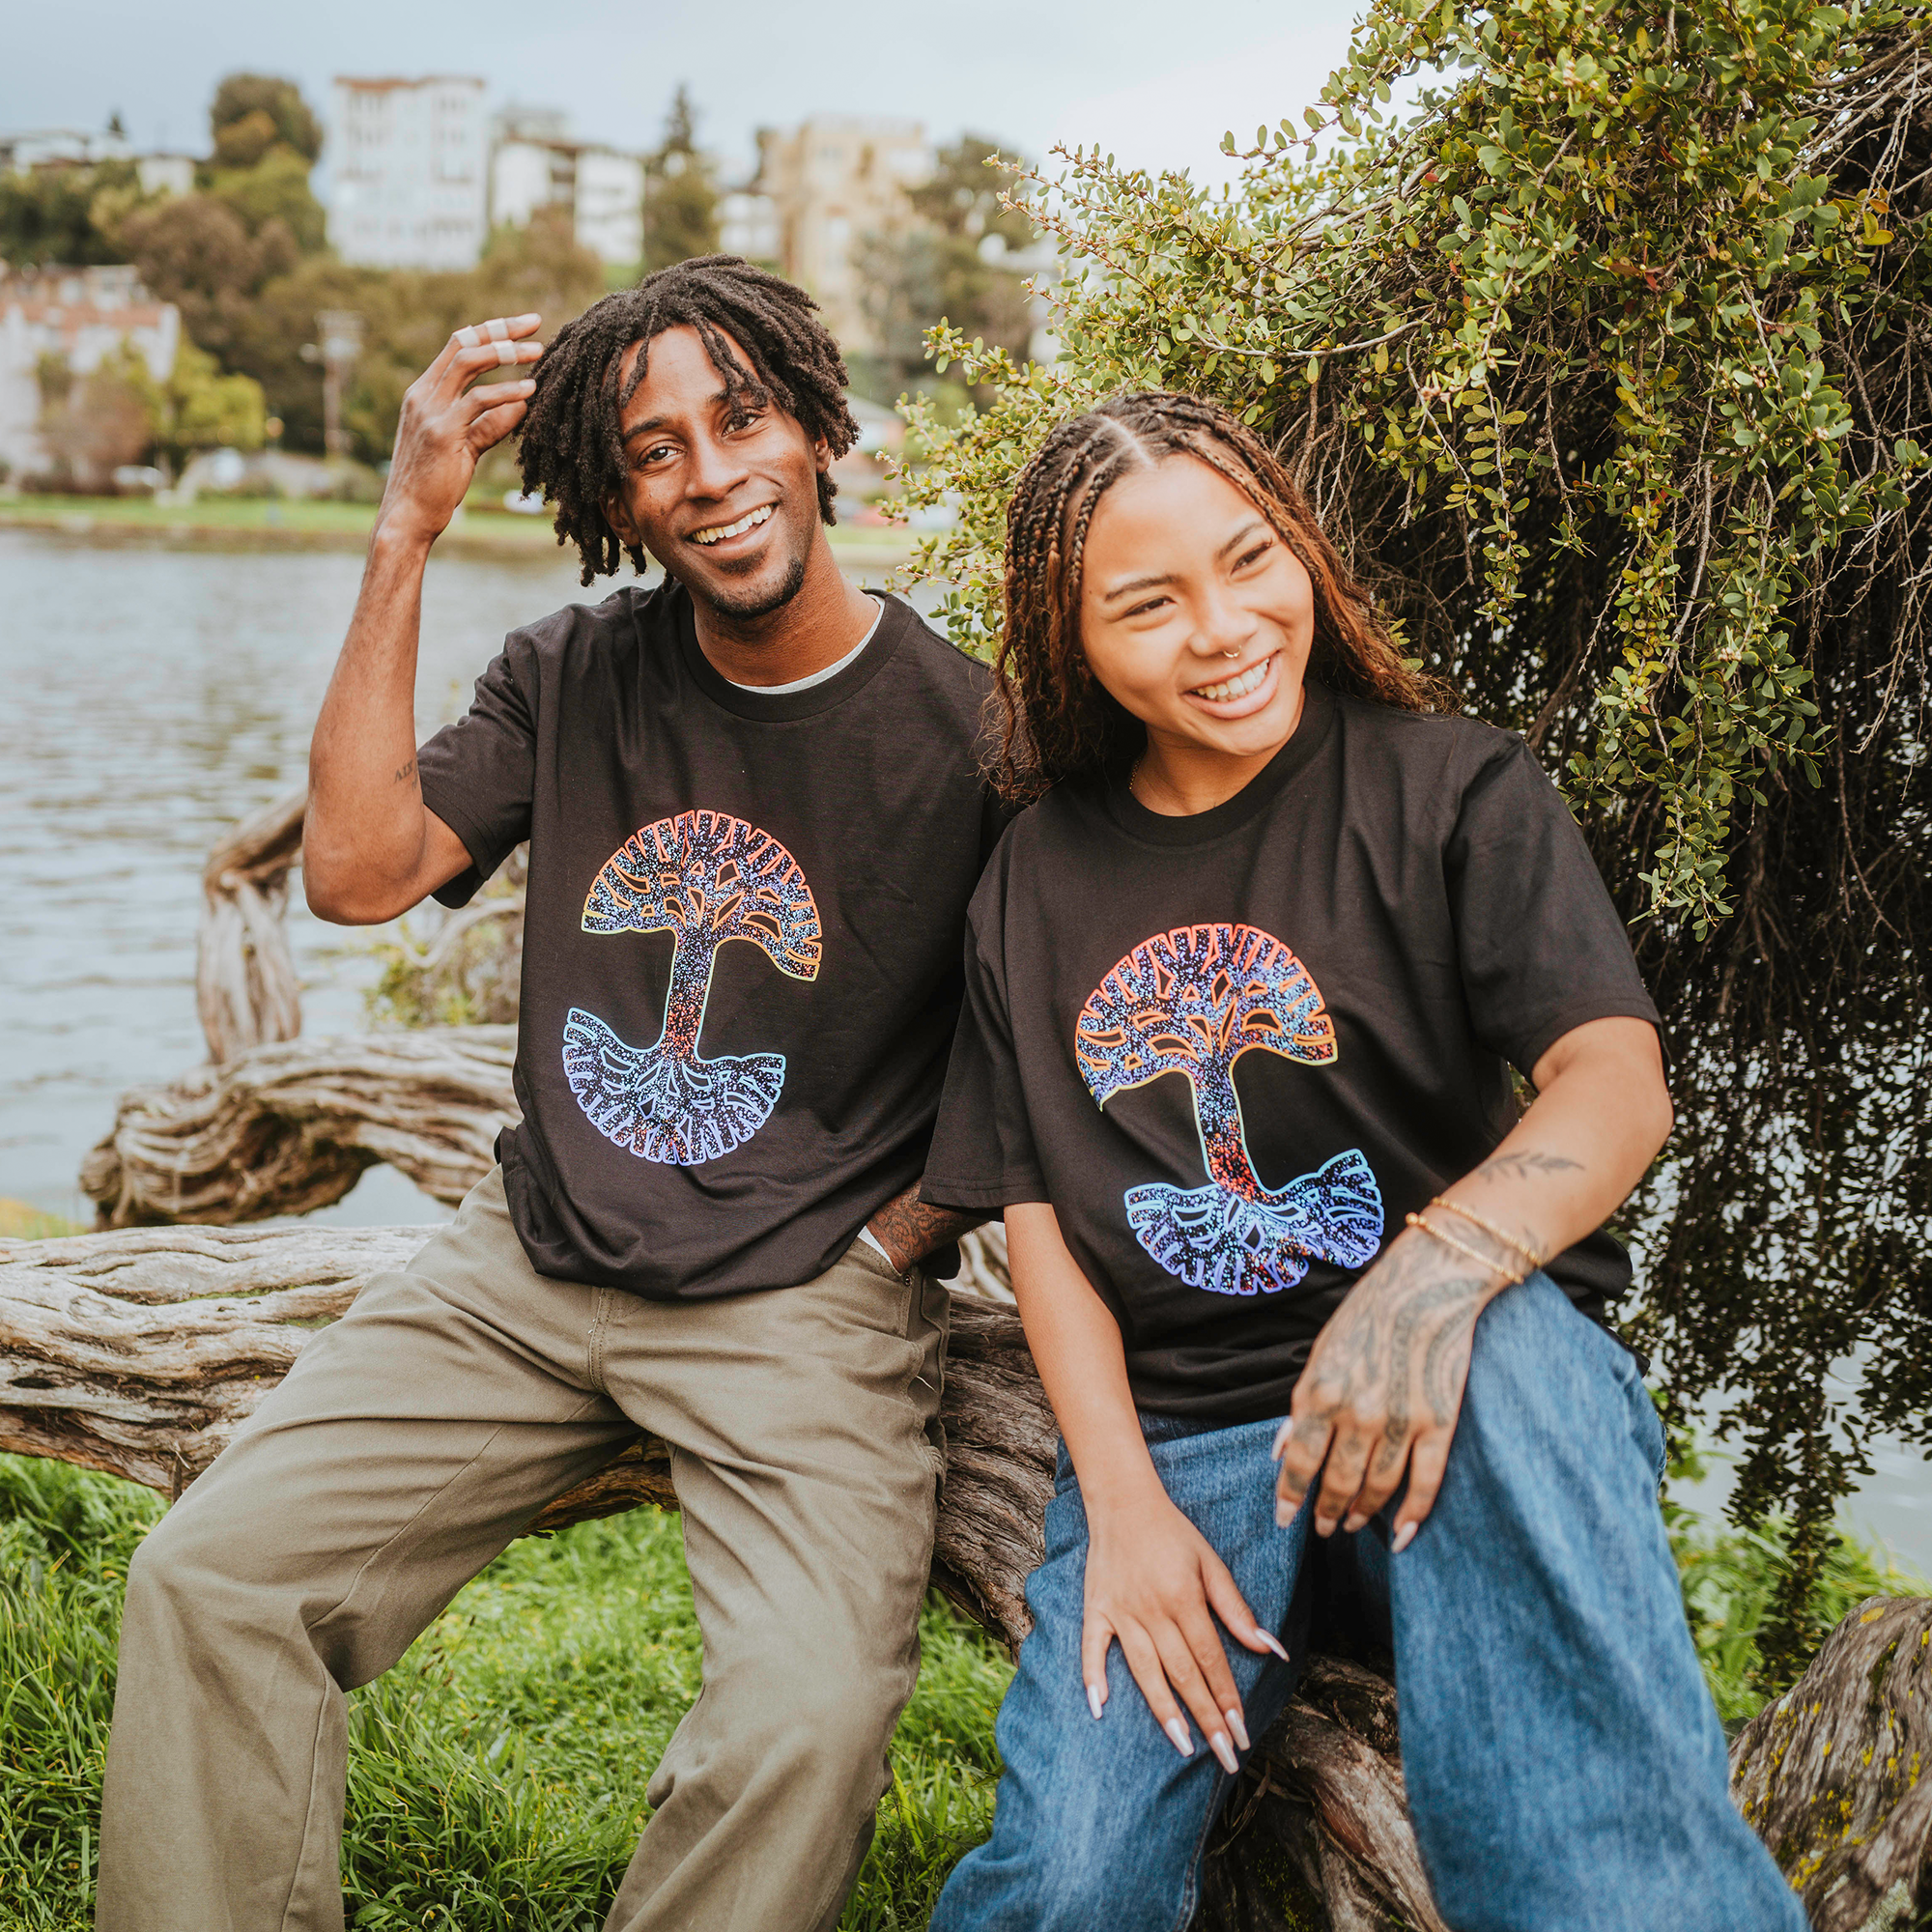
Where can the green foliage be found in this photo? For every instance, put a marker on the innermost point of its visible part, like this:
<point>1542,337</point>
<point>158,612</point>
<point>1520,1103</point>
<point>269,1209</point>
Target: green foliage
<point>496,1775</point>
<point>93,424</point>
<point>199,407</point>
<point>680,192</point>
<point>1594,362</point>
<point>251,112</point>
<point>274,189</point>
<point>48,214</point>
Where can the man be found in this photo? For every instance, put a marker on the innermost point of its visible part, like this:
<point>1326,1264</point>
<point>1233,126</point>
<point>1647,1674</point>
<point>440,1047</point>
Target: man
<point>754,816</point>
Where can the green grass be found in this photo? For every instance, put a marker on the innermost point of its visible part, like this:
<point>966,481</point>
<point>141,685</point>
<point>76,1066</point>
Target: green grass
<point>497,1775</point>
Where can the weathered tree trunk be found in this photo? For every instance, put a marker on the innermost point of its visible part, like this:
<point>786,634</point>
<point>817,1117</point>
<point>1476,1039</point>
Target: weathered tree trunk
<point>1832,1775</point>
<point>139,1352</point>
<point>281,1129</point>
<point>244,979</point>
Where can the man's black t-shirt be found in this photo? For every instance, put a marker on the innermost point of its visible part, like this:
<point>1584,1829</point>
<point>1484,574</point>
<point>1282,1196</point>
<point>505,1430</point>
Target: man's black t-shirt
<point>1235,1049</point>
<point>741,935</point>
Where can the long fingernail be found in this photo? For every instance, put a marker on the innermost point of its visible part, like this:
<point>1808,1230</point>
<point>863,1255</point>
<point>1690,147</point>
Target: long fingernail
<point>1238,1726</point>
<point>1283,1512</point>
<point>1177,1731</point>
<point>1273,1643</point>
<point>1093,1701</point>
<point>1404,1537</point>
<point>1281,1440</point>
<point>1225,1751</point>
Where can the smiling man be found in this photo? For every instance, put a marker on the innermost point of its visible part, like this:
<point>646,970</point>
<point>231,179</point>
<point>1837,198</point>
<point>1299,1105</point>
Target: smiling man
<point>755,814</point>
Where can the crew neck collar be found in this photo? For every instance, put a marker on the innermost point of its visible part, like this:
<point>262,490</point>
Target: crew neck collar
<point>1200,828</point>
<point>770,707</point>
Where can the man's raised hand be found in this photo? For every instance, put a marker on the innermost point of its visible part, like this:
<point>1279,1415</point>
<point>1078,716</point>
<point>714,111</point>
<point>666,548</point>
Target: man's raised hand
<point>448,421</point>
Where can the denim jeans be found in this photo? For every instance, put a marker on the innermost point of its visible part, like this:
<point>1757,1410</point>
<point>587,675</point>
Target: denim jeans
<point>1565,1768</point>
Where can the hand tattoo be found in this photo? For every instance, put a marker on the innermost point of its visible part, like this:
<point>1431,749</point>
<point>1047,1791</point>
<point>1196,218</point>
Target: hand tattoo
<point>911,1229</point>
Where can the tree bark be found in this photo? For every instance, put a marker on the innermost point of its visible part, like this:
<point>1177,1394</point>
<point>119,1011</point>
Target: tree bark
<point>140,1351</point>
<point>1830,1775</point>
<point>246,987</point>
<point>281,1129</point>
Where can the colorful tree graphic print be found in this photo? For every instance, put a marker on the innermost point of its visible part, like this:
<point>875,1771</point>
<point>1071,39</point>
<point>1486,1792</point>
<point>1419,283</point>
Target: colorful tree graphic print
<point>706,878</point>
<point>1192,1002</point>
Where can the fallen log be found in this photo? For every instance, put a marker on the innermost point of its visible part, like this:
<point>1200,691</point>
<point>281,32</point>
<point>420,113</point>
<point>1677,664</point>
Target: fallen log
<point>140,1351</point>
<point>285,1128</point>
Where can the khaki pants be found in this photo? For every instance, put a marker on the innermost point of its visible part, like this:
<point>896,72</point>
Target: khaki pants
<point>409,1444</point>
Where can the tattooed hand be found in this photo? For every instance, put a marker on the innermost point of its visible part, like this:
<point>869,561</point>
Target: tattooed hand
<point>1382,1388</point>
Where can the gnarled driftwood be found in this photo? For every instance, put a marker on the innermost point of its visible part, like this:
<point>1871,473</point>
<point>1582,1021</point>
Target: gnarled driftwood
<point>246,987</point>
<point>285,1128</point>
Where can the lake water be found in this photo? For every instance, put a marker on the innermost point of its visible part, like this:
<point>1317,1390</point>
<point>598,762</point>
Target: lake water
<point>153,696</point>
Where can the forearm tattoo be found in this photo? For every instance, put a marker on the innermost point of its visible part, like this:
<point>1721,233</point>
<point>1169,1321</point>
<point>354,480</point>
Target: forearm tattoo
<point>1525,1166</point>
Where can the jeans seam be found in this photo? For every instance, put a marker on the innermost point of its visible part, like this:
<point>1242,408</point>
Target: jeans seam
<point>308,1811</point>
<point>1190,1891</point>
<point>594,1347</point>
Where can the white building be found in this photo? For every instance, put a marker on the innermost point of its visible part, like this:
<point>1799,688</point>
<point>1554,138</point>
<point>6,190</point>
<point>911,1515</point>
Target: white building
<point>59,147</point>
<point>602,188</point>
<point>410,185</point>
<point>831,182</point>
<point>748,225</point>
<point>165,174</point>
<point>82,314</point>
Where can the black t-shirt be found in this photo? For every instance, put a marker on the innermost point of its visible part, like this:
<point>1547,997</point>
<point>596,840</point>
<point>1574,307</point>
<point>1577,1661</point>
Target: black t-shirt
<point>742,936</point>
<point>1235,1049</point>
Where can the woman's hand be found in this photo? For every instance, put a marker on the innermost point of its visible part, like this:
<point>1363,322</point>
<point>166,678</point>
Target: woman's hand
<point>1383,1384</point>
<point>1156,1587</point>
<point>1382,1388</point>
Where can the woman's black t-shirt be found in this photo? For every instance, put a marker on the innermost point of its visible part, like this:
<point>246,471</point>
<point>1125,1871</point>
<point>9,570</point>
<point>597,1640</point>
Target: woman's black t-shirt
<point>741,936</point>
<point>1235,1049</point>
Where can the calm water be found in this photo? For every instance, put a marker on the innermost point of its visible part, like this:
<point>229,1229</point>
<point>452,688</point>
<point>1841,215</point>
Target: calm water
<point>151,699</point>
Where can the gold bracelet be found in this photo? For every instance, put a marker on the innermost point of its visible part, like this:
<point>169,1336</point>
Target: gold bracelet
<point>1462,1248</point>
<point>1491,1229</point>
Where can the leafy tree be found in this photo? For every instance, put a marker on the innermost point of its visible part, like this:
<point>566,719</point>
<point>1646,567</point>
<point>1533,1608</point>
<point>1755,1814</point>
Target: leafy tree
<point>680,191</point>
<point>199,407</point>
<point>947,264</point>
<point>274,193</point>
<point>194,250</point>
<point>46,214</point>
<point>253,111</point>
<point>1597,363</point>
<point>93,425</point>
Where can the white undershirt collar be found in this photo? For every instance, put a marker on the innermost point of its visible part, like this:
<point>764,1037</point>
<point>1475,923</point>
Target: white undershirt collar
<point>830,670</point>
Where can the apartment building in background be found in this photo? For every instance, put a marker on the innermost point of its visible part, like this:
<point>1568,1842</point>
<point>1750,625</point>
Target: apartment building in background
<point>534,164</point>
<point>409,162</point>
<point>829,184</point>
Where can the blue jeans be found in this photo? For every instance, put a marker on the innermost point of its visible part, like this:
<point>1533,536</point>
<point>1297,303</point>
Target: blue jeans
<point>1565,1768</point>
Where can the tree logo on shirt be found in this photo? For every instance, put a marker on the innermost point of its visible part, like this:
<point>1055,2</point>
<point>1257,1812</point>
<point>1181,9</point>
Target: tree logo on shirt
<point>1192,1002</point>
<point>704,877</point>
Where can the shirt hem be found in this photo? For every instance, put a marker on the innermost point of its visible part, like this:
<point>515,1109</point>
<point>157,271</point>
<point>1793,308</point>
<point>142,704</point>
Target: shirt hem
<point>1002,1194</point>
<point>1570,1018</point>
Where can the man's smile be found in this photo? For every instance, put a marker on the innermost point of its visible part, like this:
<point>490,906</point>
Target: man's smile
<point>718,533</point>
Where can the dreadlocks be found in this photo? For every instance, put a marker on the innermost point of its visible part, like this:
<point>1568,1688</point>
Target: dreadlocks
<point>1058,720</point>
<point>573,452</point>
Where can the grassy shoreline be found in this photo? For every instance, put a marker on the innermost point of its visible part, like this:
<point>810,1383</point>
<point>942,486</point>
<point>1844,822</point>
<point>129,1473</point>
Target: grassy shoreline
<point>257,524</point>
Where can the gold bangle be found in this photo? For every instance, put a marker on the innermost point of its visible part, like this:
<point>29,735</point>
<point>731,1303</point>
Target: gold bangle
<point>1491,1229</point>
<point>1462,1248</point>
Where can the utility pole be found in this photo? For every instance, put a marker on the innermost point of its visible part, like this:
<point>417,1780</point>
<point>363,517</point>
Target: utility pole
<point>341,343</point>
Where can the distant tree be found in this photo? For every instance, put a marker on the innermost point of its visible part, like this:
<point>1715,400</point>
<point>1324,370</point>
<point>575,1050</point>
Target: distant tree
<point>93,425</point>
<point>680,191</point>
<point>947,263</point>
<point>253,111</point>
<point>195,250</point>
<point>199,407</point>
<point>48,214</point>
<point>274,190</point>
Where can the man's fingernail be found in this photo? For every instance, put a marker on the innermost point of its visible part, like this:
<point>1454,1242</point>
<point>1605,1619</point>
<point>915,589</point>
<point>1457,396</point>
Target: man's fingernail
<point>1354,1522</point>
<point>1273,1641</point>
<point>1284,1513</point>
<point>1404,1537</point>
<point>1225,1751</point>
<point>1238,1726</point>
<point>1093,1701</point>
<point>1177,1731</point>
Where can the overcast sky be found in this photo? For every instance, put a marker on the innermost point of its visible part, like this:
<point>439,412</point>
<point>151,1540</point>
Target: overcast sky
<point>1154,82</point>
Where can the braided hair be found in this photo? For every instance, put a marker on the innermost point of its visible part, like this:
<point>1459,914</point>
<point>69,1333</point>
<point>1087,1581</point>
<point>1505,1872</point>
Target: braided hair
<point>573,450</point>
<point>1057,720</point>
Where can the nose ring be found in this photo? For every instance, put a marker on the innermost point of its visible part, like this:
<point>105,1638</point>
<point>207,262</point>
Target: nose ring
<point>1230,654</point>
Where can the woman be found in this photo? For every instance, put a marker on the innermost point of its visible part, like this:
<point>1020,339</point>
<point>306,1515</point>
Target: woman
<point>1245,987</point>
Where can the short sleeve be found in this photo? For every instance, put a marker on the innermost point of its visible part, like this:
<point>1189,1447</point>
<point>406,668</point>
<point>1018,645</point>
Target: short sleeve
<point>478,776</point>
<point>1542,947</point>
<point>983,1150</point>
